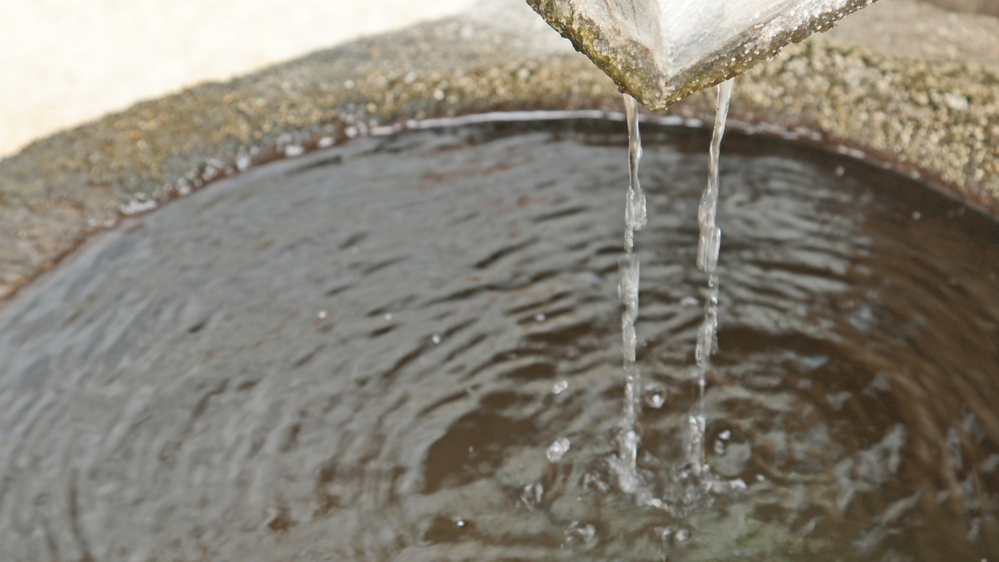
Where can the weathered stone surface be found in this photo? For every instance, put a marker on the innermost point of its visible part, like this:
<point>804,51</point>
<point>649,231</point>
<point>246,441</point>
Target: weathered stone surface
<point>917,85</point>
<point>660,51</point>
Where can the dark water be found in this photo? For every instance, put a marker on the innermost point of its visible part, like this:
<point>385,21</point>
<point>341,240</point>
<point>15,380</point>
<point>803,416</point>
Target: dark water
<point>352,356</point>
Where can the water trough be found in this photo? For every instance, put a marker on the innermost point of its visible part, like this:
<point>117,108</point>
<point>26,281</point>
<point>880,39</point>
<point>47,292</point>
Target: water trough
<point>366,352</point>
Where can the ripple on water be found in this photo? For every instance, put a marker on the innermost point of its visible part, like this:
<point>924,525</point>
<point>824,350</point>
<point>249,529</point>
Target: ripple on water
<point>370,353</point>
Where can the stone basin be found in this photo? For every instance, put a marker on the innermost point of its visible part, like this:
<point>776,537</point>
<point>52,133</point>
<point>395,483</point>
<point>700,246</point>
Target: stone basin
<point>320,374</point>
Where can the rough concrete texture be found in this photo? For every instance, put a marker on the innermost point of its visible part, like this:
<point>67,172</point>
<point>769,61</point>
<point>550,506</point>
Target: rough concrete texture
<point>925,109</point>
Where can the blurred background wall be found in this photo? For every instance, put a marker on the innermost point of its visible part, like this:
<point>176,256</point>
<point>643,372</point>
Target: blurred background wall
<point>63,62</point>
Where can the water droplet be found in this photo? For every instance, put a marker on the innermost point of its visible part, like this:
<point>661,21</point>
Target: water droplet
<point>725,434</point>
<point>322,314</point>
<point>533,494</point>
<point>688,301</point>
<point>388,317</point>
<point>656,395</point>
<point>436,339</point>
<point>558,449</point>
<point>540,317</point>
<point>577,532</point>
<point>326,142</point>
<point>243,162</point>
<point>293,150</point>
<point>840,170</point>
<point>916,215</point>
<point>560,387</point>
<point>460,522</point>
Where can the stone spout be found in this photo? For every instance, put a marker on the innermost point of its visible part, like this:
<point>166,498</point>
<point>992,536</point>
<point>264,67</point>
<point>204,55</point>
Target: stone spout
<point>659,51</point>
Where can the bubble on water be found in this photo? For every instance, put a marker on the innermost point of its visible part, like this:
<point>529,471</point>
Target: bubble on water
<point>725,435</point>
<point>840,170</point>
<point>689,301</point>
<point>326,142</point>
<point>293,150</point>
<point>673,535</point>
<point>540,317</point>
<point>388,317</point>
<point>560,386</point>
<point>322,314</point>
<point>558,449</point>
<point>532,495</point>
<point>656,395</point>
<point>436,339</point>
<point>460,522</point>
<point>578,532</point>
<point>916,215</point>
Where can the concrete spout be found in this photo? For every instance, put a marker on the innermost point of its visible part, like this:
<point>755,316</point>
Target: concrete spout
<point>659,51</point>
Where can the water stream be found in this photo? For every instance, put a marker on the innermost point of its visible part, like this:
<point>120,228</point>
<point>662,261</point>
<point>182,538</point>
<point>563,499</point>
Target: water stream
<point>693,474</point>
<point>635,218</point>
<point>297,364</point>
<point>708,246</point>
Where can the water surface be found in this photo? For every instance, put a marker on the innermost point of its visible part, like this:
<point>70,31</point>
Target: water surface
<point>367,353</point>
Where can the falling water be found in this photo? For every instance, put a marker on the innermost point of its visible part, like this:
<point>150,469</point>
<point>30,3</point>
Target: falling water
<point>635,219</point>
<point>707,260</point>
<point>634,212</point>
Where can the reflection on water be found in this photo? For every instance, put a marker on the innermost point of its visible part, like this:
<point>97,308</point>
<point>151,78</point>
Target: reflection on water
<point>369,353</point>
